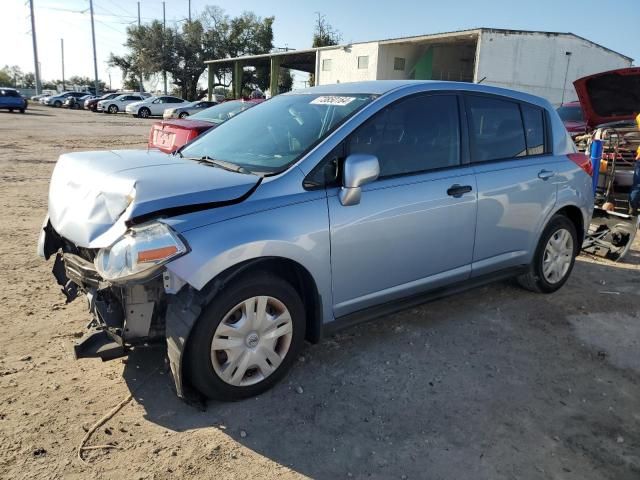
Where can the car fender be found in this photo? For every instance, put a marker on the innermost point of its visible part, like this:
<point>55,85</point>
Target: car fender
<point>215,249</point>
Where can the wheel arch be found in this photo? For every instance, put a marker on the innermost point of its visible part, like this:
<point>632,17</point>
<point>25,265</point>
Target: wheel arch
<point>184,309</point>
<point>573,213</point>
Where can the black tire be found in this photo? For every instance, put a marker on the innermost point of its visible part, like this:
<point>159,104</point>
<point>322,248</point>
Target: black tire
<point>57,104</point>
<point>22,110</point>
<point>144,112</point>
<point>198,365</point>
<point>11,110</point>
<point>112,109</point>
<point>183,115</point>
<point>534,280</point>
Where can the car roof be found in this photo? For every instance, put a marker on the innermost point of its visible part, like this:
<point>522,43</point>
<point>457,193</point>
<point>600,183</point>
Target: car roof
<point>381,87</point>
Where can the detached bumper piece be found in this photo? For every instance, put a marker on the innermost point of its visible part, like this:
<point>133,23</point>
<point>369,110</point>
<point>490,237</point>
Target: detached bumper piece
<point>98,344</point>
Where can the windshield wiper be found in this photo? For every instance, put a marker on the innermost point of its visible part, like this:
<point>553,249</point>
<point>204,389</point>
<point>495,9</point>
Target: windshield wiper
<point>231,167</point>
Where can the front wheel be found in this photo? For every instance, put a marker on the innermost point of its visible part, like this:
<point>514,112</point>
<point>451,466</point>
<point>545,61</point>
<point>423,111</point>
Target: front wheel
<point>247,338</point>
<point>57,104</point>
<point>554,257</point>
<point>144,112</point>
<point>22,110</point>
<point>183,115</point>
<point>113,109</point>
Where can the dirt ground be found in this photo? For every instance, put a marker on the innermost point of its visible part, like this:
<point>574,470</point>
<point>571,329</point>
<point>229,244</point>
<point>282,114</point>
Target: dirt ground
<point>496,383</point>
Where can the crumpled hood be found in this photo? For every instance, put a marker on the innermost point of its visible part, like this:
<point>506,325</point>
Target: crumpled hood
<point>93,195</point>
<point>609,96</point>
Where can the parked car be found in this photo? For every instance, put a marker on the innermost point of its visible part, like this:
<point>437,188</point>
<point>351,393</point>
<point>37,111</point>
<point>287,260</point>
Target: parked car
<point>45,93</point>
<point>77,103</point>
<point>573,118</point>
<point>308,212</point>
<point>58,100</point>
<point>10,99</point>
<point>119,103</point>
<point>169,135</point>
<point>154,106</point>
<point>92,103</point>
<point>188,109</point>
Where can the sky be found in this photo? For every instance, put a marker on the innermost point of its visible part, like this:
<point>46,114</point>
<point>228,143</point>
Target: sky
<point>615,25</point>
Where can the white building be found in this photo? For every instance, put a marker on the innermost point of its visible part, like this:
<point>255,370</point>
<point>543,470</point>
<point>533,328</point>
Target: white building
<point>541,63</point>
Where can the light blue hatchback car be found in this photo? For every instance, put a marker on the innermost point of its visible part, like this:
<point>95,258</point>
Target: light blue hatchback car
<point>313,210</point>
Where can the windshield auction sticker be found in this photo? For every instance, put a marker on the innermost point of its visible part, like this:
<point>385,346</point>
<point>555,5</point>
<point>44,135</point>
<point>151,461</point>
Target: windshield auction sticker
<point>332,100</point>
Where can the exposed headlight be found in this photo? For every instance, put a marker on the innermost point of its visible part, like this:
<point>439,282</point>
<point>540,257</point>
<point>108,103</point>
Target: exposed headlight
<point>139,253</point>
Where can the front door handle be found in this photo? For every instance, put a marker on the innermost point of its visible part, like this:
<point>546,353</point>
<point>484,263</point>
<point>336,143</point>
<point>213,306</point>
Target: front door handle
<point>545,174</point>
<point>458,190</point>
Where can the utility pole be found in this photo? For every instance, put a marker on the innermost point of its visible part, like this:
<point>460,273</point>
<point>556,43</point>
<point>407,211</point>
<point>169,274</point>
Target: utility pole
<point>139,24</point>
<point>95,58</point>
<point>189,11</point>
<point>62,52</point>
<point>566,72</point>
<point>164,27</point>
<point>35,49</point>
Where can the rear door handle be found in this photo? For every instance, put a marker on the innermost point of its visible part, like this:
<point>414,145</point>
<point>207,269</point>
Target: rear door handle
<point>458,190</point>
<point>545,174</point>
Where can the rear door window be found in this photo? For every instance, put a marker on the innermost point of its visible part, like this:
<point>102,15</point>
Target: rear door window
<point>497,132</point>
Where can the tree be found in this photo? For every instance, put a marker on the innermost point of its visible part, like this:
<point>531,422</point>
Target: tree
<point>324,35</point>
<point>182,51</point>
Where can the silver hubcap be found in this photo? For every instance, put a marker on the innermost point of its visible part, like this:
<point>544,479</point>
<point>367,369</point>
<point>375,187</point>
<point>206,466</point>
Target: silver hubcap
<point>251,341</point>
<point>557,256</point>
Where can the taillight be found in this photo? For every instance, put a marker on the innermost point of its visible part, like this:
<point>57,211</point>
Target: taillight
<point>583,161</point>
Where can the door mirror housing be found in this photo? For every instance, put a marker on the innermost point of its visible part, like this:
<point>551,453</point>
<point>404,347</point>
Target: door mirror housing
<point>359,169</point>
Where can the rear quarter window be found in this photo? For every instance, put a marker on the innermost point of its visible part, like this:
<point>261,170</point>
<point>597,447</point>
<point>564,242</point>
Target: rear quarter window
<point>534,128</point>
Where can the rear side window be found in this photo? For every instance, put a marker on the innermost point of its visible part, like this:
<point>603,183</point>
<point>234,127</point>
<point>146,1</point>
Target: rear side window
<point>534,128</point>
<point>496,129</point>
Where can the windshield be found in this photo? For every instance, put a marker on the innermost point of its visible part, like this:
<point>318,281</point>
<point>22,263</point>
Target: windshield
<point>222,112</point>
<point>276,133</point>
<point>570,113</point>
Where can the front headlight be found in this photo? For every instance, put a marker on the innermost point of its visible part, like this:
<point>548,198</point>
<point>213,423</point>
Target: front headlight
<point>139,253</point>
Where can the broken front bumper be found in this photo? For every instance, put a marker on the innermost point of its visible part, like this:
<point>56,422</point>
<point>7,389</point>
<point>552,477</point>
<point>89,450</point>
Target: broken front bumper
<point>128,314</point>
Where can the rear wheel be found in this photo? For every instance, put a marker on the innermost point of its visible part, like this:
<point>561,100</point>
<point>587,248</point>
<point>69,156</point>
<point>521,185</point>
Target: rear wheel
<point>554,257</point>
<point>57,104</point>
<point>247,338</point>
<point>113,109</point>
<point>144,112</point>
<point>11,110</point>
<point>22,110</point>
<point>183,115</point>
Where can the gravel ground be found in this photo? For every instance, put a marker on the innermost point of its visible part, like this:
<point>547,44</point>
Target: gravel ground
<point>496,383</point>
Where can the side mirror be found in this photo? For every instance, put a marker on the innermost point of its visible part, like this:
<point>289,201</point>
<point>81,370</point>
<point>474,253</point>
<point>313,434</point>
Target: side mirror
<point>359,169</point>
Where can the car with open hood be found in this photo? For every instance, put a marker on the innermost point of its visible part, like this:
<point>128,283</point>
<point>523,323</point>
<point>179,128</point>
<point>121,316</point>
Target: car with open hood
<point>313,210</point>
<point>571,115</point>
<point>170,135</point>
<point>611,96</point>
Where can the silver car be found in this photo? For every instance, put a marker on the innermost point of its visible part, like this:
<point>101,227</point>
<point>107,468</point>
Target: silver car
<point>189,109</point>
<point>311,211</point>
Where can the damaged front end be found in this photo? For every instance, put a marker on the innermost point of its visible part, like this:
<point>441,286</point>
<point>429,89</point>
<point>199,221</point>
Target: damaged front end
<point>125,286</point>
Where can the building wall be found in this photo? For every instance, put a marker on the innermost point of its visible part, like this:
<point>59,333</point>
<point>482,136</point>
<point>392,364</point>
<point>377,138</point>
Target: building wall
<point>344,64</point>
<point>387,54</point>
<point>536,62</point>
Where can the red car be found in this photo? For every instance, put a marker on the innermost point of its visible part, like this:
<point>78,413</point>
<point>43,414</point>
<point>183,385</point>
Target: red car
<point>573,118</point>
<point>169,135</point>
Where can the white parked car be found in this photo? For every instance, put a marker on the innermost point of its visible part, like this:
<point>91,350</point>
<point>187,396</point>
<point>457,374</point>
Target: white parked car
<point>154,106</point>
<point>118,104</point>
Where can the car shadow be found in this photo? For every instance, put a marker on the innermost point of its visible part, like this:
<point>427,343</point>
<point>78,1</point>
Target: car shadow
<point>26,112</point>
<point>422,393</point>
